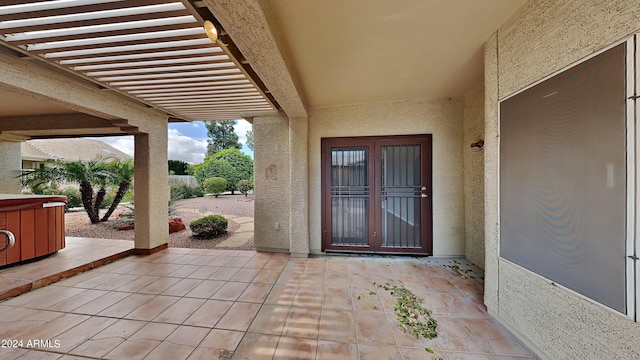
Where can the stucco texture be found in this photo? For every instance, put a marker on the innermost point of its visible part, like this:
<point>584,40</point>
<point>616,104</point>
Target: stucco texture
<point>474,176</point>
<point>542,38</point>
<point>443,118</point>
<point>272,183</point>
<point>10,164</point>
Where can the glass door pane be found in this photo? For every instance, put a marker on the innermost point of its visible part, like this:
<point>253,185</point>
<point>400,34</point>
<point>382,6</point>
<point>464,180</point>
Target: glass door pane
<point>400,195</point>
<point>350,196</point>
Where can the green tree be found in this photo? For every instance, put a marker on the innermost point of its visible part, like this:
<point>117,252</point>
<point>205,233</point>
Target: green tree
<point>250,138</point>
<point>178,167</point>
<point>221,136</point>
<point>215,185</point>
<point>229,164</point>
<point>121,173</point>
<point>89,174</point>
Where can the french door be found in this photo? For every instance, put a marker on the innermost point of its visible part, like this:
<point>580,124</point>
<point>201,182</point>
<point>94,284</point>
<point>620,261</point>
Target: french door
<point>376,194</point>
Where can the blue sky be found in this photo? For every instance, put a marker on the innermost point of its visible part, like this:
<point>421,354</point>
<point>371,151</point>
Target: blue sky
<point>187,141</point>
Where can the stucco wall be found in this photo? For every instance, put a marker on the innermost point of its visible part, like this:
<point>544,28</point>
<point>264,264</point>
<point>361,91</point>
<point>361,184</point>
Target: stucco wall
<point>10,166</point>
<point>271,182</point>
<point>443,118</point>
<point>474,176</point>
<point>540,39</point>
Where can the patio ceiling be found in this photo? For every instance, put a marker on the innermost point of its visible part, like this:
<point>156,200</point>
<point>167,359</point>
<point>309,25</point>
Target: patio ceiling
<point>155,51</point>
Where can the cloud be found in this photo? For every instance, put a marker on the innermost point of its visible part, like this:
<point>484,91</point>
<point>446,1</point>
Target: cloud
<point>122,143</point>
<point>180,147</point>
<point>241,127</point>
<point>184,148</point>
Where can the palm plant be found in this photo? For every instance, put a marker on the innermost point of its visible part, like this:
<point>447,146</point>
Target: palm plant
<point>121,173</point>
<point>88,174</point>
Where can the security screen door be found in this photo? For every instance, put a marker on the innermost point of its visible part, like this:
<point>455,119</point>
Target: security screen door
<point>377,194</point>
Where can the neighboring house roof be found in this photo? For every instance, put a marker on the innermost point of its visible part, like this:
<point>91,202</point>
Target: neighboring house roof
<point>69,150</point>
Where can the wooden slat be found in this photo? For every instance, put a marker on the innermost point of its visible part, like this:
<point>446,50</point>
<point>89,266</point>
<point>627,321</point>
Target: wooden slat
<point>62,24</point>
<point>27,234</point>
<point>75,9</point>
<point>13,225</point>
<point>185,72</point>
<point>205,50</point>
<point>41,231</point>
<point>51,233</point>
<point>183,80</point>
<point>104,48</point>
<point>151,63</point>
<point>147,29</point>
<point>202,45</point>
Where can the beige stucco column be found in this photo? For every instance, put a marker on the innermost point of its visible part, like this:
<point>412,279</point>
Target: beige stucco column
<point>299,187</point>
<point>151,190</point>
<point>10,165</point>
<point>271,183</point>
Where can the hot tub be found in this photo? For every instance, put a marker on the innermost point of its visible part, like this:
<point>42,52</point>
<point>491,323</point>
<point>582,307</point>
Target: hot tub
<point>31,226</point>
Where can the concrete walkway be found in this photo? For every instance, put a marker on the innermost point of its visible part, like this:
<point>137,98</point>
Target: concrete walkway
<point>240,236</point>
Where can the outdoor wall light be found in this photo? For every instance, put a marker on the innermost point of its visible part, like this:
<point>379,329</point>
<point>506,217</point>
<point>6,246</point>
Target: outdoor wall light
<point>211,30</point>
<point>479,144</point>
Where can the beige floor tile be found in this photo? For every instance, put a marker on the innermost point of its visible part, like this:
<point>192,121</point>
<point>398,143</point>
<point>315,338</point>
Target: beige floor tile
<point>203,353</point>
<point>493,337</point>
<point>61,295</point>
<point>281,295</point>
<point>225,273</point>
<point>330,350</point>
<point>204,272</point>
<point>39,355</point>
<point>132,349</point>
<point>153,331</point>
<point>373,328</point>
<point>337,325</point>
<point>270,320</point>
<point>168,349</point>
<point>230,291</point>
<point>255,293</point>
<point>337,299</point>
<point>159,286</point>
<point>182,287</point>
<point>126,305</point>
<point>137,284</point>
<point>245,275</point>
<point>186,270</point>
<point>238,261</point>
<point>209,313</point>
<point>222,340</point>
<point>82,332</point>
<point>295,348</point>
<point>95,306</point>
<point>205,289</point>
<point>152,308</point>
<point>116,282</point>
<point>309,298</point>
<point>256,347</point>
<point>238,317</point>
<point>302,322</point>
<point>188,335</point>
<point>379,352</point>
<point>366,299</point>
<point>106,340</point>
<point>454,355</point>
<point>220,260</point>
<point>267,276</point>
<point>54,327</point>
<point>76,301</point>
<point>180,311</point>
<point>257,262</point>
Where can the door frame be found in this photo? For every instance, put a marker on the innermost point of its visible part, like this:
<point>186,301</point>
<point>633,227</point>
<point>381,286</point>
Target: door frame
<point>374,231</point>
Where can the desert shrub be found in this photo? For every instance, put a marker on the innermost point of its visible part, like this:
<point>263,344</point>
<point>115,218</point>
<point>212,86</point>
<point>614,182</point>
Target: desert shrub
<point>243,186</point>
<point>229,164</point>
<point>215,185</point>
<point>181,191</point>
<point>108,200</point>
<point>209,226</point>
<point>74,198</point>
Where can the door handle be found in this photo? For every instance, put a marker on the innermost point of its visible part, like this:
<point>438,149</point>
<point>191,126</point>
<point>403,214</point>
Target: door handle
<point>11,242</point>
<point>423,189</point>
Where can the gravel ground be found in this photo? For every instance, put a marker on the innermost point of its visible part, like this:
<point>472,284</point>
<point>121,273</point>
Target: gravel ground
<point>77,223</point>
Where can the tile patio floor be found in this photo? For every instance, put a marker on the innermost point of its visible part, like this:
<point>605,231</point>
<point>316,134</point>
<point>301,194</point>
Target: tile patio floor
<point>221,304</point>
